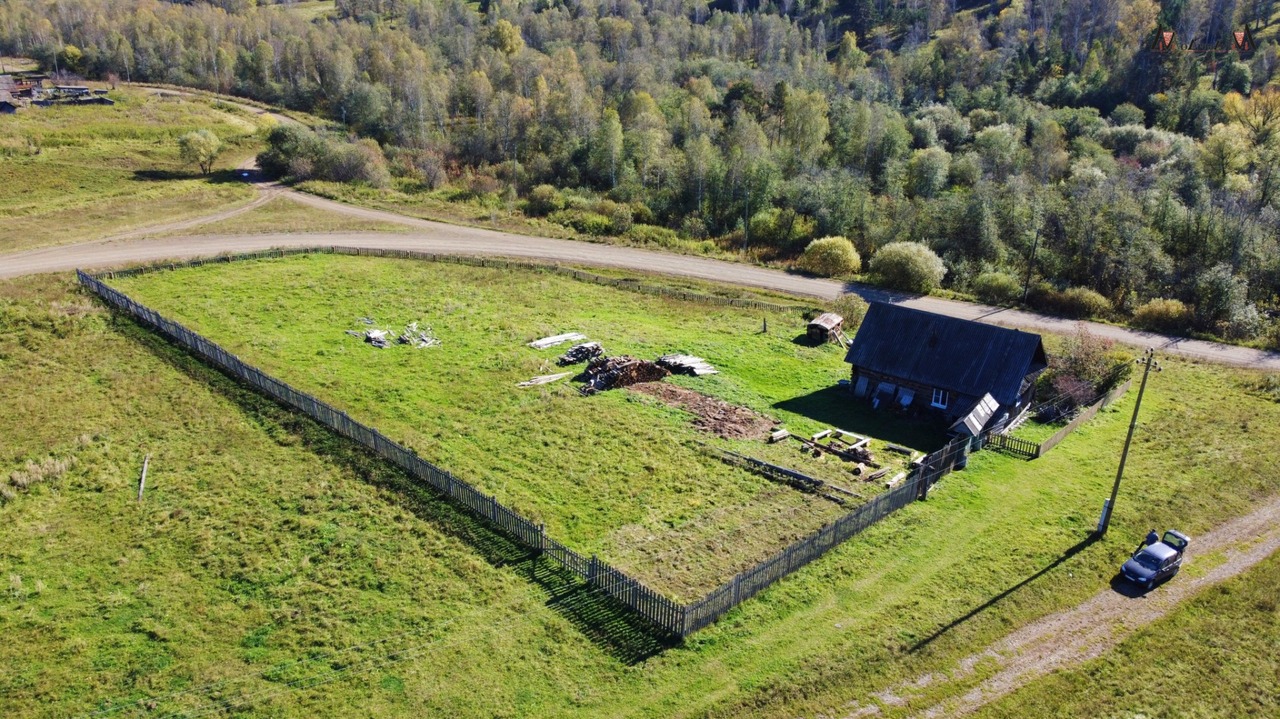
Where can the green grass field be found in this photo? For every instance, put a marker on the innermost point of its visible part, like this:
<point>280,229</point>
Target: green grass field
<point>1214,657</point>
<point>73,173</point>
<point>620,474</point>
<point>274,571</point>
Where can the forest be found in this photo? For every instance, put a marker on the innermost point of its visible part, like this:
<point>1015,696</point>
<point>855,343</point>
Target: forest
<point>1045,150</point>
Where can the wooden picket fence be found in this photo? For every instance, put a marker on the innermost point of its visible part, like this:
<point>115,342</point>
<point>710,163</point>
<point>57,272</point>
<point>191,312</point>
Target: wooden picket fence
<point>667,616</point>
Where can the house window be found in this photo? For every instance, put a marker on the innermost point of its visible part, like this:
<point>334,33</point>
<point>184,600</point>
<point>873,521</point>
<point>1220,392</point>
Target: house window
<point>941,398</point>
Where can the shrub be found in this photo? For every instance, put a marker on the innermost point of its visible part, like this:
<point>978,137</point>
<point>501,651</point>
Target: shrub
<point>830,257</point>
<point>694,227</point>
<point>619,215</point>
<point>780,229</point>
<point>641,213</point>
<point>1083,302</point>
<point>996,288</point>
<point>1160,315</point>
<point>303,155</point>
<point>1273,338</point>
<point>852,308</point>
<point>909,266</point>
<point>430,166</point>
<point>589,223</point>
<point>542,201</point>
<point>355,162</point>
<point>1084,366</point>
<point>653,235</point>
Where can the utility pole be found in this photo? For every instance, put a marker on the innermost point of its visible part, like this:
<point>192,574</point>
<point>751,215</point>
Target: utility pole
<point>1149,360</point>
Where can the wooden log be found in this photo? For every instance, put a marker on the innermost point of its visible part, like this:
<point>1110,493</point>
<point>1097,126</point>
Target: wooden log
<point>876,475</point>
<point>778,436</point>
<point>899,449</point>
<point>897,479</point>
<point>842,490</point>
<point>822,435</point>
<point>142,481</point>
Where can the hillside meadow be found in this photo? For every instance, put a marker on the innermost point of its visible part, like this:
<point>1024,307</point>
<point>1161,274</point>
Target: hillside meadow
<point>73,173</point>
<point>271,570</point>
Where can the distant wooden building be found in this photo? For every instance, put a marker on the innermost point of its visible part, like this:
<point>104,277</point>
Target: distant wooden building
<point>968,371</point>
<point>7,107</point>
<point>826,327</point>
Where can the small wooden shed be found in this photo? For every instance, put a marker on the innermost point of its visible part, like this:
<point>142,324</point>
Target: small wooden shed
<point>826,327</point>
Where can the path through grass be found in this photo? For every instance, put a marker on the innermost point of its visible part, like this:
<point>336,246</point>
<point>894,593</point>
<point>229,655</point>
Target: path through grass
<point>73,173</point>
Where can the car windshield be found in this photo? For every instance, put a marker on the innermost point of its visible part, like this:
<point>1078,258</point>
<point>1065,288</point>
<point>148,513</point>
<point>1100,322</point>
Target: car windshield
<point>1147,560</point>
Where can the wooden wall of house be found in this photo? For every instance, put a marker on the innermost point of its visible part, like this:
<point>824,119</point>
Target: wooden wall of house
<point>958,405</point>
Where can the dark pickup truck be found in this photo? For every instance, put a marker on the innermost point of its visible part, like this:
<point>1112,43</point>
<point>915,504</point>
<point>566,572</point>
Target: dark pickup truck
<point>1157,561</point>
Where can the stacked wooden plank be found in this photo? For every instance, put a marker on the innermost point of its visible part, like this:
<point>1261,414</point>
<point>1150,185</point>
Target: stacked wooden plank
<point>687,364</point>
<point>580,353</point>
<point>544,379</point>
<point>554,340</point>
<point>604,373</point>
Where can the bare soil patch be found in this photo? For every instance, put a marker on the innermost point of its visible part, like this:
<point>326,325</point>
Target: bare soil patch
<point>711,415</point>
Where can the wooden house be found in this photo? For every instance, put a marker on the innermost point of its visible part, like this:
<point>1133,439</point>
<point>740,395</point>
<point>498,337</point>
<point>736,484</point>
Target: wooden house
<point>960,369</point>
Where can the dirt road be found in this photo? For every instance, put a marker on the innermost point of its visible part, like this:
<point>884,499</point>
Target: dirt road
<point>1088,630</point>
<point>440,237</point>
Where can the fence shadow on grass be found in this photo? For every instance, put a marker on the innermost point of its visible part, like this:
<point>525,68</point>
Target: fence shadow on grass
<point>609,624</point>
<point>1071,552</point>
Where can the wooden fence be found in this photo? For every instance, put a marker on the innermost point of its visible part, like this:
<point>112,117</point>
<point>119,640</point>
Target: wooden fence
<point>678,620</point>
<point>1031,450</point>
<point>1013,445</point>
<point>1087,414</point>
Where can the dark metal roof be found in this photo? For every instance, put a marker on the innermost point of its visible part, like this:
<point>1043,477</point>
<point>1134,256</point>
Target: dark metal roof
<point>964,357</point>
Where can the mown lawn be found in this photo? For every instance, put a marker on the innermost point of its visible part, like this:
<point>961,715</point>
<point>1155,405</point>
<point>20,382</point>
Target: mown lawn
<point>262,542</point>
<point>70,173</point>
<point>619,474</point>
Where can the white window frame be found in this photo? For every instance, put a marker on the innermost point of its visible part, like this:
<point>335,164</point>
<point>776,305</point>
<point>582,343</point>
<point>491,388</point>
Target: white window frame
<point>941,398</point>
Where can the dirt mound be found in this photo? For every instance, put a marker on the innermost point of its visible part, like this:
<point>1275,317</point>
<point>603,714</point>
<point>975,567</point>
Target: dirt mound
<point>713,415</point>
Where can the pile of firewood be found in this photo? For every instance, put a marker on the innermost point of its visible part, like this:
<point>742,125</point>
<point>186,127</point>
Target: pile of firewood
<point>580,353</point>
<point>604,373</point>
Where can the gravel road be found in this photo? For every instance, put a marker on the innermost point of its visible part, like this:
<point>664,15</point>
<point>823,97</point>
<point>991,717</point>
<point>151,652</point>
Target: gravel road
<point>439,237</point>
